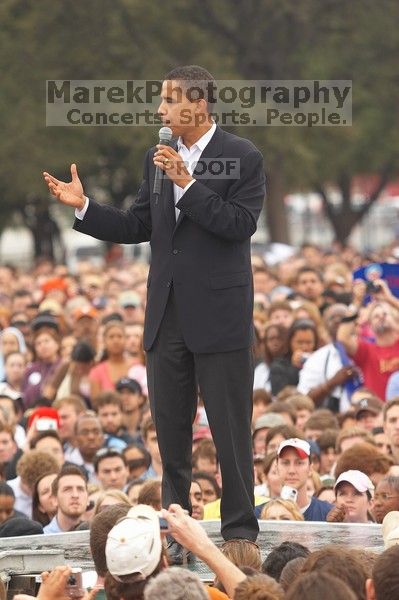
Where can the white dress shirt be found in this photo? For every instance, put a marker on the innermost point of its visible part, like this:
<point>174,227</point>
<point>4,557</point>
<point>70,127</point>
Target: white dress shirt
<point>23,501</point>
<point>190,156</point>
<point>323,364</point>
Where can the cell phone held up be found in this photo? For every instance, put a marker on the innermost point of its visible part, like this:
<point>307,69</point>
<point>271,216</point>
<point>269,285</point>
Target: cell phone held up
<point>163,524</point>
<point>288,493</point>
<point>74,586</point>
<point>372,288</point>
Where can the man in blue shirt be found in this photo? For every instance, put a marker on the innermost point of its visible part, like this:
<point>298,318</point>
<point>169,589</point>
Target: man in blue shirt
<point>294,467</point>
<point>70,489</point>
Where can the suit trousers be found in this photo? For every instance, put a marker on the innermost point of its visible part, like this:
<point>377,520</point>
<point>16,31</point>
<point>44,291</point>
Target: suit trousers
<point>225,380</point>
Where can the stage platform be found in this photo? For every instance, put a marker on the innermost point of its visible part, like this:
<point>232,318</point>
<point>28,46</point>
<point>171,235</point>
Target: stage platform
<point>20,557</point>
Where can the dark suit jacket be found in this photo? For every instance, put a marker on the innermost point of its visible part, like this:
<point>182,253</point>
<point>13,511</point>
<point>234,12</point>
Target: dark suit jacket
<point>206,253</point>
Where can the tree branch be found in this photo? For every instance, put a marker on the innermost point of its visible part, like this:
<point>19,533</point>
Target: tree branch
<point>326,204</point>
<point>385,175</point>
<point>218,26</point>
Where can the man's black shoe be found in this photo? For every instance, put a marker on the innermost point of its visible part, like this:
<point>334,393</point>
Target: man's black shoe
<point>177,554</point>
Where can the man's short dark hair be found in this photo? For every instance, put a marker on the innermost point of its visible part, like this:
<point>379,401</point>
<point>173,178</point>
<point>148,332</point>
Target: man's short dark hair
<point>65,471</point>
<point>206,450</point>
<point>327,439</point>
<point>100,527</point>
<point>321,419</point>
<point>145,461</point>
<point>6,490</point>
<point>104,453</point>
<point>388,406</point>
<point>386,575</point>
<point>314,586</point>
<point>195,78</point>
<point>107,398</point>
<point>280,556</point>
<point>344,563</point>
<point>210,479</point>
<point>41,435</point>
<point>308,269</point>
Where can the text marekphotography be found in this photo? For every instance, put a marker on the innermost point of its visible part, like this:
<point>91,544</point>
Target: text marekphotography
<point>306,103</point>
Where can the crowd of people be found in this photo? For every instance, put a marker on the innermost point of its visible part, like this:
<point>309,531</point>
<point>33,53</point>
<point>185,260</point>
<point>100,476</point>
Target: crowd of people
<point>78,445</point>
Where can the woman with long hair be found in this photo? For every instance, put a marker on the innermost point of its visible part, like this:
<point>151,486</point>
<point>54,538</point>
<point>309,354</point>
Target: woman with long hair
<point>115,363</point>
<point>44,504</point>
<point>275,345</point>
<point>302,341</point>
<point>46,346</point>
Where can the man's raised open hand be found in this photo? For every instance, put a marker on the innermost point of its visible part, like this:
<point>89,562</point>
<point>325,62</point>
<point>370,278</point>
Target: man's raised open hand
<point>70,193</point>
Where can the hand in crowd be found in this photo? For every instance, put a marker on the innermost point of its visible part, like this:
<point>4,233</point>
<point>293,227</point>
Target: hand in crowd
<point>343,375</point>
<point>358,291</point>
<point>30,434</point>
<point>298,359</point>
<point>186,530</point>
<point>54,584</point>
<point>70,193</point>
<point>385,293</point>
<point>336,515</point>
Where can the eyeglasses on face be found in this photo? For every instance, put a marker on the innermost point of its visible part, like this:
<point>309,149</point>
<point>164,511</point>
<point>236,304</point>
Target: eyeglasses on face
<point>384,497</point>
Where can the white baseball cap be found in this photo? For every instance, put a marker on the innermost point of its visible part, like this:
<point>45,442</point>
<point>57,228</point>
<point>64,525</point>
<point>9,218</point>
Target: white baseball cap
<point>134,544</point>
<point>302,447</point>
<point>358,479</point>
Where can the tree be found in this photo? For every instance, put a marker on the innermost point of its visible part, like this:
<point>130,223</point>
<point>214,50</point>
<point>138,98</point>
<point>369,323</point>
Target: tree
<point>251,39</point>
<point>319,40</point>
<point>370,146</point>
<point>97,39</point>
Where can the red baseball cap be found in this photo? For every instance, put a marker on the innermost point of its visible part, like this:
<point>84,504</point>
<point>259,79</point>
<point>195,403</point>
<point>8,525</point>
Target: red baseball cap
<point>302,447</point>
<point>48,415</point>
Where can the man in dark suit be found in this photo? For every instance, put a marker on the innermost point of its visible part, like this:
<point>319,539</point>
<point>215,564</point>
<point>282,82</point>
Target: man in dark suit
<point>198,327</point>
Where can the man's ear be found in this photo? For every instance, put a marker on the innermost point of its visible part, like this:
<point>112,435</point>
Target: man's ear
<point>370,590</point>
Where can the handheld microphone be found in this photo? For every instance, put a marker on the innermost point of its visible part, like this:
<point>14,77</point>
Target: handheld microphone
<point>165,135</point>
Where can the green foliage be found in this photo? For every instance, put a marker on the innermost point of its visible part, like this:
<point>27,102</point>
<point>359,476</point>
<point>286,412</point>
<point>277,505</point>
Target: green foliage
<point>140,39</point>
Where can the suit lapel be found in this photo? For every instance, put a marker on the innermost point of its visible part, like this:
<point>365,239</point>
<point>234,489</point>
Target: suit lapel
<point>212,150</point>
<point>168,201</point>
<point>168,196</point>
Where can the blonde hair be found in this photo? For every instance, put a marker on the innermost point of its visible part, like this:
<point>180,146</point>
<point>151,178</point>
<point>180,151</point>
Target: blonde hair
<point>351,432</point>
<point>287,504</point>
<point>315,477</point>
<point>117,494</point>
<point>300,402</point>
<point>242,553</point>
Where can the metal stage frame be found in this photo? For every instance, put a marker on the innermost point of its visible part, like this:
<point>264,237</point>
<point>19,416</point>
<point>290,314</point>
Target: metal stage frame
<point>22,558</point>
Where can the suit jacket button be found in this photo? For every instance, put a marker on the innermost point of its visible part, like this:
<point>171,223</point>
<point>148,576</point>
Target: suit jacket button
<point>168,284</point>
<point>175,251</point>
